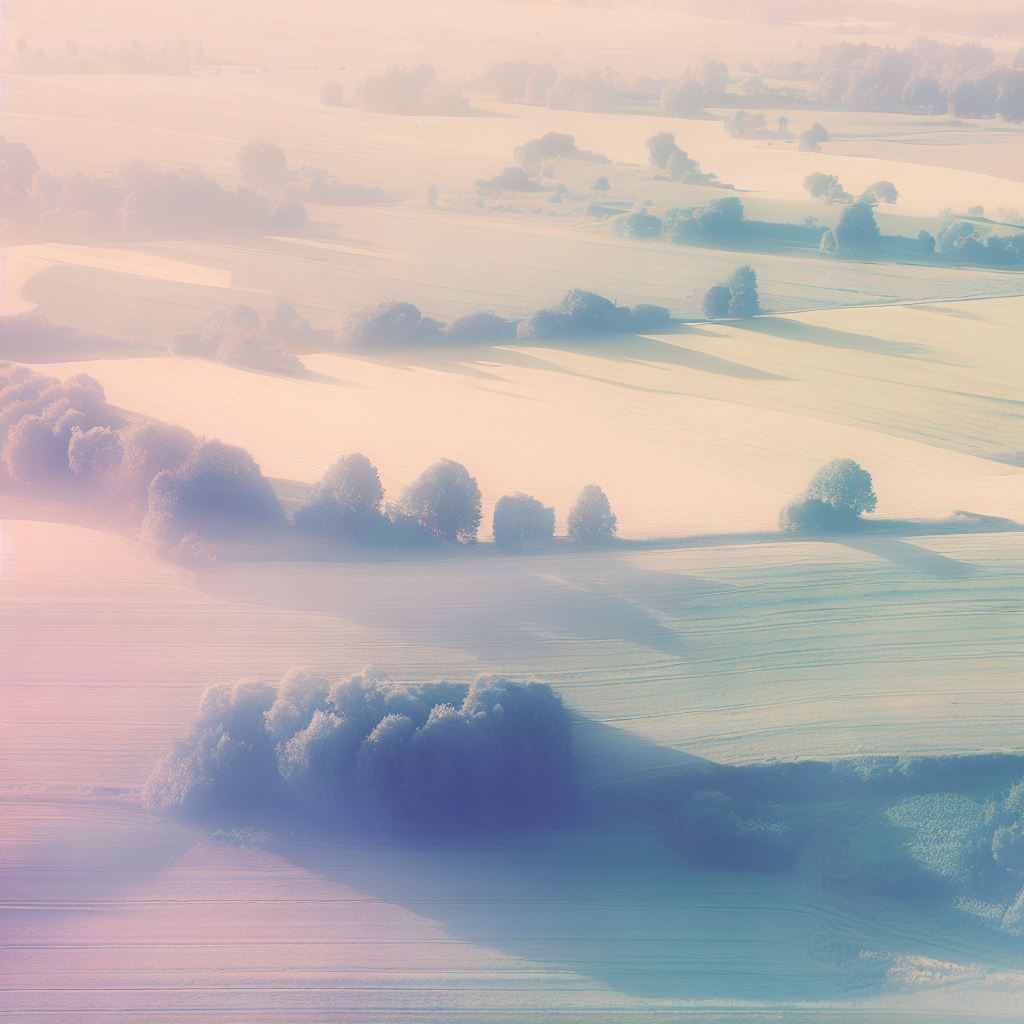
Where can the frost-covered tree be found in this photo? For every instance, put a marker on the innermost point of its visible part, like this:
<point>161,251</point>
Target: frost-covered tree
<point>445,501</point>
<point>591,517</point>
<point>520,520</point>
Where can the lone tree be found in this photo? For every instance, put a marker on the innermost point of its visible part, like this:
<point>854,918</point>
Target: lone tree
<point>716,301</point>
<point>857,230</point>
<point>520,519</point>
<point>346,501</point>
<point>844,485</point>
<point>879,192</point>
<point>445,501</point>
<point>264,166</point>
<point>744,299</point>
<point>591,518</point>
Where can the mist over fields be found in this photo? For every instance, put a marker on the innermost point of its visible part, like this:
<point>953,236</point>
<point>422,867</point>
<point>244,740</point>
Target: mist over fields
<point>511,511</point>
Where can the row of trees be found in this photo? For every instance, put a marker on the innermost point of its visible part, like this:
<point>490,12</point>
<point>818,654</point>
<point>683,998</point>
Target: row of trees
<point>63,438</point>
<point>443,503</point>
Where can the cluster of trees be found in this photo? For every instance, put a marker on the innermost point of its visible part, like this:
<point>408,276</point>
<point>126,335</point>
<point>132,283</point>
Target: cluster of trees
<point>829,188</point>
<point>554,146</point>
<point>442,504</point>
<point>520,81</point>
<point>835,499</point>
<point>138,201</point>
<point>63,438</point>
<point>258,339</point>
<point>736,297</point>
<point>856,233</point>
<point>177,57</point>
<point>264,168</point>
<point>437,757</point>
<point>744,125</point>
<point>812,138</point>
<point>961,241</point>
<point>926,78</point>
<point>413,90</point>
<point>580,313</point>
<point>664,153</point>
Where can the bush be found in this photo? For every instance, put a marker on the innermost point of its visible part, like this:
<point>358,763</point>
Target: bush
<point>480,328</point>
<point>857,230</point>
<point>845,486</point>
<point>217,492</point>
<point>582,313</point>
<point>445,501</point>
<point>346,502</point>
<point>520,520</point>
<point>439,757</point>
<point>716,301</point>
<point>808,515</point>
<point>391,324</point>
<point>591,519</point>
<point>638,224</point>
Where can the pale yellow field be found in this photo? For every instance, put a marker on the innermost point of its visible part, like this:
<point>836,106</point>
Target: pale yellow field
<point>707,431</point>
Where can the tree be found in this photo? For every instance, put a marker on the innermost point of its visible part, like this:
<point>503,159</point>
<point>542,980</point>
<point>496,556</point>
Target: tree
<point>601,184</point>
<point>857,230</point>
<point>818,184</point>
<point>264,166</point>
<point>520,519</point>
<point>828,244</point>
<point>445,501</point>
<point>660,147</point>
<point>926,240</point>
<point>879,192</point>
<point>716,301</point>
<point>744,300</point>
<point>844,485</point>
<point>346,501</point>
<point>591,518</point>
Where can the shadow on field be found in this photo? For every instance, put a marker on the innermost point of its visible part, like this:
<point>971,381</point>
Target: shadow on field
<point>813,334</point>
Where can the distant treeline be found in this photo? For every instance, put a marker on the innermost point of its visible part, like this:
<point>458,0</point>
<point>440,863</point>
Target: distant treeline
<point>928,77</point>
<point>176,57</point>
<point>138,201</point>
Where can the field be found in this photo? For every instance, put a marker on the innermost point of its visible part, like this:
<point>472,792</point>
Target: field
<point>703,635</point>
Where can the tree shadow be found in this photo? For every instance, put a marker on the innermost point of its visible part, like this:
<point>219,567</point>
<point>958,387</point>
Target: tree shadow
<point>910,556</point>
<point>813,334</point>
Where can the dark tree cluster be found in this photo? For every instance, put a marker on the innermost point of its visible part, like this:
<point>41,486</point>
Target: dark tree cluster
<point>63,438</point>
<point>258,339</point>
<point>520,81</point>
<point>744,125</point>
<point>926,78</point>
<point>264,167</point>
<point>737,297</point>
<point>442,505</point>
<point>810,139</point>
<point>582,313</point>
<point>664,153</point>
<point>554,146</point>
<point>413,90</point>
<point>961,241</point>
<point>177,57</point>
<point>368,752</point>
<point>835,499</point>
<point>139,201</point>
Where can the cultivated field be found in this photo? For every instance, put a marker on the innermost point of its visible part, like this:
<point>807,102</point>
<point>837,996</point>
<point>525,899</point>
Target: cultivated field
<point>701,636</point>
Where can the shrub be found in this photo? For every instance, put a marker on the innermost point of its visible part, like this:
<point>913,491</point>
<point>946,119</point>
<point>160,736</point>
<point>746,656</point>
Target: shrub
<point>591,518</point>
<point>520,520</point>
<point>217,492</point>
<point>391,324</point>
<point>808,515</point>
<point>440,757</point>
<point>845,486</point>
<point>716,301</point>
<point>445,501</point>
<point>346,502</point>
<point>857,230</point>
